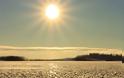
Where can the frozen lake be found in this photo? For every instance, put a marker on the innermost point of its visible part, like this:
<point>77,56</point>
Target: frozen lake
<point>61,69</point>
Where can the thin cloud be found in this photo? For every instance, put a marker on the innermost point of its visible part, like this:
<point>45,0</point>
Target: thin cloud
<point>80,49</point>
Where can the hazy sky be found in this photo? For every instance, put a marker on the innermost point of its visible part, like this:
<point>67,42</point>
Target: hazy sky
<point>94,23</point>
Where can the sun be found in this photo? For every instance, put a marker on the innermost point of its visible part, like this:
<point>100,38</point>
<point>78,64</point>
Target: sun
<point>52,12</point>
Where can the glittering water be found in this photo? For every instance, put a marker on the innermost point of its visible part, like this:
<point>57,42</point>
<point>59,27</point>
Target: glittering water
<point>62,69</point>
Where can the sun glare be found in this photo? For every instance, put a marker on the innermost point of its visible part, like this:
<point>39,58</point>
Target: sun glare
<point>52,12</point>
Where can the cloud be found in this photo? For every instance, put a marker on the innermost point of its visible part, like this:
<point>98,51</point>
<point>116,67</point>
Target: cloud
<point>78,49</point>
<point>53,52</point>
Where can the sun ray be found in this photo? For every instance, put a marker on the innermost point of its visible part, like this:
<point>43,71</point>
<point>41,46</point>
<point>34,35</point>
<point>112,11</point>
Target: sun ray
<point>51,27</point>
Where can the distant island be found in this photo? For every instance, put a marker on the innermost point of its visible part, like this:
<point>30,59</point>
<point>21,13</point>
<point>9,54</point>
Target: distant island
<point>90,57</point>
<point>12,58</point>
<point>98,57</point>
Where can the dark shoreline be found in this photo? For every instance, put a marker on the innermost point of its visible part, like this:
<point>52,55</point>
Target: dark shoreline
<point>90,57</point>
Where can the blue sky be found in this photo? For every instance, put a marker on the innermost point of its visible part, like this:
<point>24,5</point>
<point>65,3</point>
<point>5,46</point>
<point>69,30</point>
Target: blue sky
<point>96,23</point>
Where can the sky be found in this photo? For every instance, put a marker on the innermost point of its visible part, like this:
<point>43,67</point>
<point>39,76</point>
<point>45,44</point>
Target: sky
<point>90,23</point>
